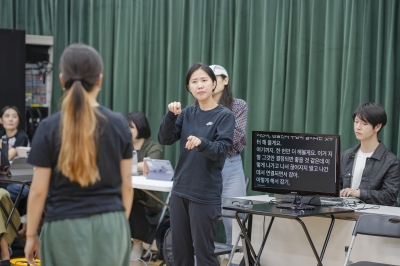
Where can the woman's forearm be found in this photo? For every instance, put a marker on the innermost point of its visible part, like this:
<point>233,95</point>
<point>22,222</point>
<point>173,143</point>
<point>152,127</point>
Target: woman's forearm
<point>37,198</point>
<point>126,187</point>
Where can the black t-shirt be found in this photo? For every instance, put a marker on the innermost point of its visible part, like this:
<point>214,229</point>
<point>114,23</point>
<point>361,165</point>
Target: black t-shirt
<point>68,199</point>
<point>197,175</point>
<point>19,139</point>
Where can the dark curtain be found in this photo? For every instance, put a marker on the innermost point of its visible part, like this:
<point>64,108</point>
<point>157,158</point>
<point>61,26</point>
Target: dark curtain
<point>301,65</point>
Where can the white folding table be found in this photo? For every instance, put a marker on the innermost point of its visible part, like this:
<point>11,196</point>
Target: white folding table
<point>148,185</point>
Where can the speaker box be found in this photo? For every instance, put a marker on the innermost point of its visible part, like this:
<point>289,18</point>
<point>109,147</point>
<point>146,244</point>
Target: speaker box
<point>12,71</point>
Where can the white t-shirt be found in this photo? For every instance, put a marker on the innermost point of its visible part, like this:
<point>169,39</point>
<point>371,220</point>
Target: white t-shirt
<point>358,168</point>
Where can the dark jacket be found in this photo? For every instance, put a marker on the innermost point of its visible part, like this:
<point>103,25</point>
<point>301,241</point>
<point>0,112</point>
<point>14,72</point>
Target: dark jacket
<point>380,181</point>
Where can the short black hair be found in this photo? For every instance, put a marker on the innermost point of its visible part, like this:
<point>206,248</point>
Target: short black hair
<point>372,113</point>
<point>202,66</point>
<point>141,123</point>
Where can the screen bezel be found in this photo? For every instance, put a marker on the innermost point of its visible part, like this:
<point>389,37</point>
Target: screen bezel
<point>298,191</point>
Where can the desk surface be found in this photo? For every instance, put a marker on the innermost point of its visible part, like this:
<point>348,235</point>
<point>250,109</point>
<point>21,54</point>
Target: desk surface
<point>368,208</point>
<point>142,182</point>
<point>17,179</point>
<point>271,210</point>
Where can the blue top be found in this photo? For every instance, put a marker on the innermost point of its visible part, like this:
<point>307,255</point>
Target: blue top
<point>198,172</point>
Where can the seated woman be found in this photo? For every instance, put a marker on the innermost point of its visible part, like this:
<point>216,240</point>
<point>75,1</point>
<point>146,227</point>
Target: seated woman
<point>145,209</point>
<point>10,118</point>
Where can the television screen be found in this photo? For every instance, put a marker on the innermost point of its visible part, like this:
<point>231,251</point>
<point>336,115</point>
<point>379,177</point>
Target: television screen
<point>295,163</point>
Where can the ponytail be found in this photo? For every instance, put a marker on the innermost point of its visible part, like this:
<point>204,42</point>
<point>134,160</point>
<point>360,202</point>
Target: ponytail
<point>79,134</point>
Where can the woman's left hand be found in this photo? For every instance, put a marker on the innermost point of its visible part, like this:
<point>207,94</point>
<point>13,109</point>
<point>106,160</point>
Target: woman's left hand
<point>32,249</point>
<point>192,142</point>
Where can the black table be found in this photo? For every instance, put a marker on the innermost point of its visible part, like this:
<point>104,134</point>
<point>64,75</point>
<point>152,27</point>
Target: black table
<point>270,209</point>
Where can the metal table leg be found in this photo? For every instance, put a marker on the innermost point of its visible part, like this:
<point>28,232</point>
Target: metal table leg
<point>310,241</point>
<point>246,237</point>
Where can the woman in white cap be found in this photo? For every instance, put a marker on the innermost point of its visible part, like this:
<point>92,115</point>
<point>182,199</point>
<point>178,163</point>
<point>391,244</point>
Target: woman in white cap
<point>232,174</point>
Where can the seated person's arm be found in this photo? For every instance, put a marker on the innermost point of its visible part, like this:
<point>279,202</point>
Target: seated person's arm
<point>153,154</point>
<point>387,194</point>
<point>12,153</point>
<point>21,140</point>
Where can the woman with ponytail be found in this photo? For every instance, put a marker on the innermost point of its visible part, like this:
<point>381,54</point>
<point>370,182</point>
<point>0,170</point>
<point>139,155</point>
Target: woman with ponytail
<point>82,179</point>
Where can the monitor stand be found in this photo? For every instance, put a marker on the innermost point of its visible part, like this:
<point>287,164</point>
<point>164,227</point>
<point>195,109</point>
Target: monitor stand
<point>295,205</point>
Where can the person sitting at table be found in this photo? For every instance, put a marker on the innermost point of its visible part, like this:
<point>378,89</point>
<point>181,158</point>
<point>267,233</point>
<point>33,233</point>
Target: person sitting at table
<point>10,118</point>
<point>145,209</point>
<point>369,171</point>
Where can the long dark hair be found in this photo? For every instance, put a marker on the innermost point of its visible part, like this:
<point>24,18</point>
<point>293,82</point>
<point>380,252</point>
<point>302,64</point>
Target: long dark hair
<point>81,67</point>
<point>227,96</point>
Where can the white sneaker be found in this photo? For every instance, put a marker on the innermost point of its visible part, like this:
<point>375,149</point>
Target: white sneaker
<point>137,250</point>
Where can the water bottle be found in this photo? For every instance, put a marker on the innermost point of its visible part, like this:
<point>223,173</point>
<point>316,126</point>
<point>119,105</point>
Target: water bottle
<point>4,145</point>
<point>134,162</point>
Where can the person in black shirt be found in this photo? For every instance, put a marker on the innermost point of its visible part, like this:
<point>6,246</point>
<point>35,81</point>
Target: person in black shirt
<point>82,158</point>
<point>10,118</point>
<point>205,132</point>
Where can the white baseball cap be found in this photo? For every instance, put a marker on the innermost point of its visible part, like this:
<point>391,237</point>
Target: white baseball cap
<point>219,70</point>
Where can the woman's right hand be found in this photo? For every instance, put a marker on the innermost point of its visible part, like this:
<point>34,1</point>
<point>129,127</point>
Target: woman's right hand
<point>32,249</point>
<point>175,107</point>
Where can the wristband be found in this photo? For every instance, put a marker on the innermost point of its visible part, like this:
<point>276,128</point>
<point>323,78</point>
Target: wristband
<point>35,235</point>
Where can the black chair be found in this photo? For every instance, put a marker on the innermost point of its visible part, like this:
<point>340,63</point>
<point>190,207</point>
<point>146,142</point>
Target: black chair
<point>222,248</point>
<point>374,225</point>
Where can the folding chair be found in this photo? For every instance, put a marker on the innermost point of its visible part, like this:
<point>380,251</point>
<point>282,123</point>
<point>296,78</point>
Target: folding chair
<point>374,225</point>
<point>223,249</point>
<point>220,248</point>
<point>19,172</point>
<point>9,217</point>
<point>148,255</point>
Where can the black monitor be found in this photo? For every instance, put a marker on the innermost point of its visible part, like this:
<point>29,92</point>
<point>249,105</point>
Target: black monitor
<point>296,163</point>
